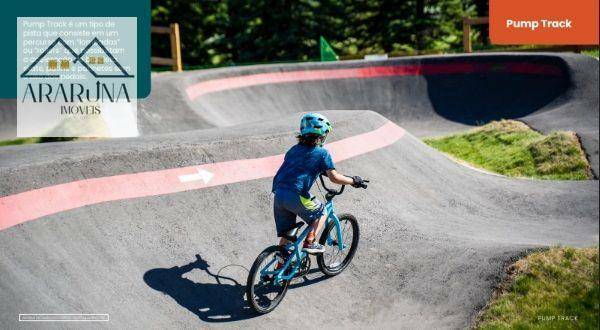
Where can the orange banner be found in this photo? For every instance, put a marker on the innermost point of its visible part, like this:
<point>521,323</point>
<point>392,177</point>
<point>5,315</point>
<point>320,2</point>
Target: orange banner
<point>544,22</point>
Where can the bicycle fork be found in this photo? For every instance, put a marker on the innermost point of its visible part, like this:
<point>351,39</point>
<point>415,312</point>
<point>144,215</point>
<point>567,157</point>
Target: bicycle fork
<point>338,228</point>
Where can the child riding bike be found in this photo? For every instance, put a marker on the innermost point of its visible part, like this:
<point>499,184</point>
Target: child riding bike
<point>301,166</point>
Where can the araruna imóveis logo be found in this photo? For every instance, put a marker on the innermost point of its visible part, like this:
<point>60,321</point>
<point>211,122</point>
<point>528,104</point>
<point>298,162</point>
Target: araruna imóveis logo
<point>55,66</point>
<point>77,76</point>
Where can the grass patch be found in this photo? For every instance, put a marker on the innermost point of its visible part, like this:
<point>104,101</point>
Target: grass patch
<point>19,141</point>
<point>592,52</point>
<point>512,148</point>
<point>554,289</point>
<point>34,140</point>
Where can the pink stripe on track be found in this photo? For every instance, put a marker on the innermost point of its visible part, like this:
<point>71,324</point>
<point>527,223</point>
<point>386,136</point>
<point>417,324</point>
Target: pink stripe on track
<point>33,204</point>
<point>216,85</point>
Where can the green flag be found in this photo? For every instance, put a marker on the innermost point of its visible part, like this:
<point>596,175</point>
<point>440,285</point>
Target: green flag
<point>327,53</point>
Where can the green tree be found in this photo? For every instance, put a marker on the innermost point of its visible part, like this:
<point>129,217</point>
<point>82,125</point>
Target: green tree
<point>202,27</point>
<point>242,31</point>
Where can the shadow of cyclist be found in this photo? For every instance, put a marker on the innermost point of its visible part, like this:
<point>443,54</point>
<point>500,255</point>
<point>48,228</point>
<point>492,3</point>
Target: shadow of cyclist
<point>223,301</point>
<point>212,302</point>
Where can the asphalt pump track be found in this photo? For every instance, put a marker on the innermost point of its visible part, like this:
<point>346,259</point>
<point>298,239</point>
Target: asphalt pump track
<point>159,231</point>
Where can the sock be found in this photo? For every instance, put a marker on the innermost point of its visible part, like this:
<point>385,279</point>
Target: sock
<point>310,238</point>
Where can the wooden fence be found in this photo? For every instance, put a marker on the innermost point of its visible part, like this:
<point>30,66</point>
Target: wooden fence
<point>175,60</point>
<point>467,22</point>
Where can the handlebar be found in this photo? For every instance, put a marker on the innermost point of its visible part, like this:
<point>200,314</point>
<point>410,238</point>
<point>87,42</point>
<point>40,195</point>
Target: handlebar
<point>331,192</point>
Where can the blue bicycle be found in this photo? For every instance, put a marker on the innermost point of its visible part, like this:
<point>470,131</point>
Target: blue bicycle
<point>267,285</point>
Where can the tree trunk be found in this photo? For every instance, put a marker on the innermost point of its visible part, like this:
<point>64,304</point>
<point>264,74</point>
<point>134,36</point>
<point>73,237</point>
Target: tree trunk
<point>482,11</point>
<point>419,24</point>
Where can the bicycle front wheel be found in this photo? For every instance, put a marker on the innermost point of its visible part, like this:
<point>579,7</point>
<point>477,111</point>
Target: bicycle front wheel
<point>262,291</point>
<point>333,261</point>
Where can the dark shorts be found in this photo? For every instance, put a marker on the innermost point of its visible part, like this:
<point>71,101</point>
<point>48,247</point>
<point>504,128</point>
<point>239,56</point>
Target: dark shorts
<point>288,205</point>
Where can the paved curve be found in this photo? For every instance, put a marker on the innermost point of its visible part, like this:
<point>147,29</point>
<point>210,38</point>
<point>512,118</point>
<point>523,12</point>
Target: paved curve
<point>435,235</point>
<point>428,95</point>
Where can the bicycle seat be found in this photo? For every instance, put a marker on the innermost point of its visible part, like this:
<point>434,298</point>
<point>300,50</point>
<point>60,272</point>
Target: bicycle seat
<point>291,233</point>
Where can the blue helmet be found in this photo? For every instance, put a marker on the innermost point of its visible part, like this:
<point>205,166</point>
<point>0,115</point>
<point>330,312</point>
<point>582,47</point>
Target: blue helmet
<point>314,123</point>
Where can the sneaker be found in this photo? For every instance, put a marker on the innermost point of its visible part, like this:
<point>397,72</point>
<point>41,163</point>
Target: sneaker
<point>313,248</point>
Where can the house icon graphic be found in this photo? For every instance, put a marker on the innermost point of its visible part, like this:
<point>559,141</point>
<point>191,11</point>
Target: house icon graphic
<point>76,58</point>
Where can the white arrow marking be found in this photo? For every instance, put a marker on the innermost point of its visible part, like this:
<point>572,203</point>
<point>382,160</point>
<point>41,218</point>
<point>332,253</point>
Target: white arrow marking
<point>201,175</point>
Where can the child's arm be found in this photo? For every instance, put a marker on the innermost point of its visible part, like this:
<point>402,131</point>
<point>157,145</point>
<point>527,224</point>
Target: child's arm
<point>337,178</point>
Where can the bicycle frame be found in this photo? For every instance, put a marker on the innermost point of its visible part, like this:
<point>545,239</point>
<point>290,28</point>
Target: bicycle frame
<point>296,250</point>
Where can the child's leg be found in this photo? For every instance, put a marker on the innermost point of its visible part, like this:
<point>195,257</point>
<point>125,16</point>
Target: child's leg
<point>284,218</point>
<point>316,228</point>
<point>281,259</point>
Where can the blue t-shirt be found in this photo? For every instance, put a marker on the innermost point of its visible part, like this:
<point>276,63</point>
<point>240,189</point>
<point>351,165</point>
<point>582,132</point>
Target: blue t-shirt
<point>301,167</point>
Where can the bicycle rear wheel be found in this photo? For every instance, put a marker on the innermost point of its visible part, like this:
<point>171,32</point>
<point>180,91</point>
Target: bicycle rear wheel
<point>262,293</point>
<point>333,261</point>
